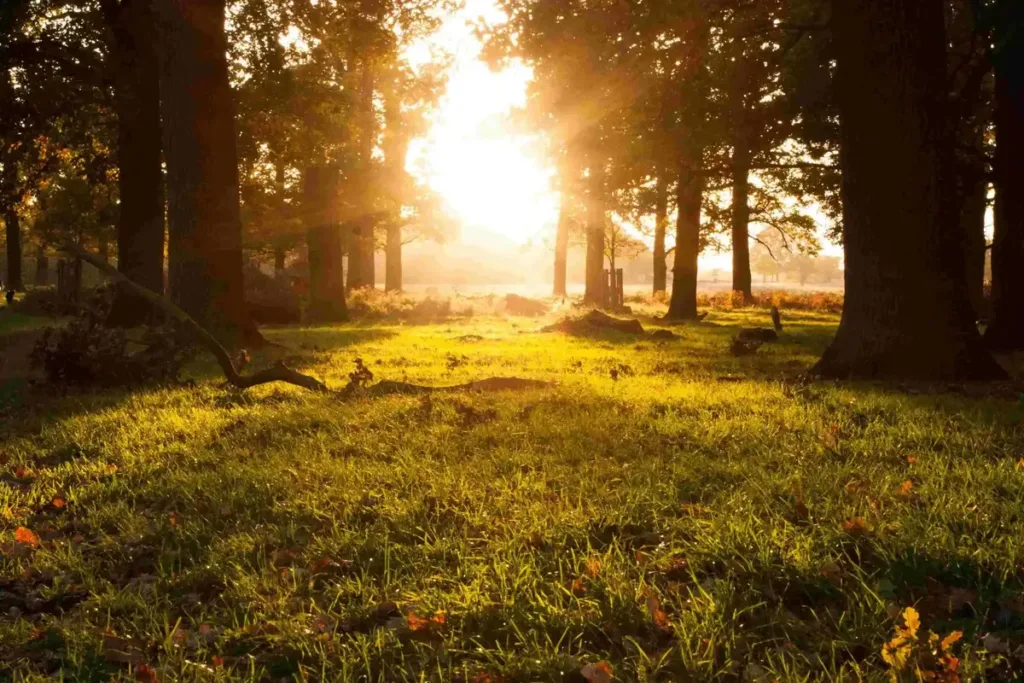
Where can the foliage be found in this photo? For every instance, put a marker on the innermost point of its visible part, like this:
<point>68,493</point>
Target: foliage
<point>85,352</point>
<point>911,655</point>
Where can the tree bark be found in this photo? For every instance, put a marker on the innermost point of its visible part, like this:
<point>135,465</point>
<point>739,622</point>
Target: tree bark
<point>595,285</point>
<point>140,225</point>
<point>562,245</point>
<point>42,276</point>
<point>1006,325</point>
<point>362,272</point>
<point>974,204</point>
<point>660,228</point>
<point>393,256</point>
<point>279,256</point>
<point>689,195</point>
<point>205,225</point>
<point>741,281</point>
<point>13,225</point>
<point>907,314</point>
<point>324,242</point>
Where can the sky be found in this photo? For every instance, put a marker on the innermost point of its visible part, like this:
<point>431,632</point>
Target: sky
<point>495,180</point>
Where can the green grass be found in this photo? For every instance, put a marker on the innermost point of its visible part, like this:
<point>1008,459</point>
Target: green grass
<point>277,534</point>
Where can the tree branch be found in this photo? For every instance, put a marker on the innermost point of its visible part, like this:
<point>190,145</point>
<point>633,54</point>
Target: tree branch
<point>278,373</point>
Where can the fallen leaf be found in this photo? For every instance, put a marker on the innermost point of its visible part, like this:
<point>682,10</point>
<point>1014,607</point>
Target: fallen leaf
<point>111,468</point>
<point>146,674</point>
<point>598,673</point>
<point>855,527</point>
<point>593,567</point>
<point>26,537</point>
<point>218,662</point>
<point>418,623</point>
<point>657,614</point>
<point>59,503</point>
<point>911,459</point>
<point>907,488</point>
<point>174,519</point>
<point>22,473</point>
<point>578,587</point>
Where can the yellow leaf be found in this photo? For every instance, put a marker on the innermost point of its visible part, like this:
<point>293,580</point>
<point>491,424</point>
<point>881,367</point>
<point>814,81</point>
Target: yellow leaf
<point>949,640</point>
<point>593,567</point>
<point>913,621</point>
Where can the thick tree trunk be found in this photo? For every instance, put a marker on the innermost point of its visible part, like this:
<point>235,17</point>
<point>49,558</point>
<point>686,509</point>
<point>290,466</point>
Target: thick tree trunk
<point>205,225</point>
<point>741,220</point>
<point>660,228</point>
<point>562,245</point>
<point>1006,325</point>
<point>279,257</point>
<point>907,313</point>
<point>393,256</point>
<point>13,225</point>
<point>595,284</point>
<point>689,194</point>
<point>140,226</point>
<point>324,242</point>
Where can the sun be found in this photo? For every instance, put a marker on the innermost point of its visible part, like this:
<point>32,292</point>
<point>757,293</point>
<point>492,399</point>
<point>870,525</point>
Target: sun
<point>494,179</point>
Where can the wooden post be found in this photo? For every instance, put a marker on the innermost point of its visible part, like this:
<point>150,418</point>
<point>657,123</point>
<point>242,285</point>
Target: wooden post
<point>619,289</point>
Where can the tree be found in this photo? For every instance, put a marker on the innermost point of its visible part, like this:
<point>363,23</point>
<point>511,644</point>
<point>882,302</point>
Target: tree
<point>1006,326</point>
<point>140,227</point>
<point>907,314</point>
<point>205,228</point>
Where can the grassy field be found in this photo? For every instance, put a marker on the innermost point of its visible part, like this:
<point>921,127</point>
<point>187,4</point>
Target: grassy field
<point>689,516</point>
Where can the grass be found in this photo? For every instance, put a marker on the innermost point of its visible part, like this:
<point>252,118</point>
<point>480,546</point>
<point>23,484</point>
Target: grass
<point>702,517</point>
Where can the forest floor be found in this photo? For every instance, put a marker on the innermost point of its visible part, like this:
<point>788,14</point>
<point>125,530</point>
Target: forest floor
<point>664,511</point>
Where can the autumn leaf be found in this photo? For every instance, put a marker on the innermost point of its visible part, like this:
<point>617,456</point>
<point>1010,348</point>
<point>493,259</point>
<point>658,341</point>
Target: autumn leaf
<point>218,662</point>
<point>146,674</point>
<point>578,587</point>
<point>855,527</point>
<point>174,519</point>
<point>949,640</point>
<point>593,567</point>
<point>418,623</point>
<point>600,672</point>
<point>22,473</point>
<point>907,488</point>
<point>657,614</point>
<point>911,459</point>
<point>26,537</point>
<point>59,503</point>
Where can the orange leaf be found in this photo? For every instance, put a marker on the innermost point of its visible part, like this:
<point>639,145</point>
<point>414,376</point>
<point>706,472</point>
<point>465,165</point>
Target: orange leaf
<point>417,623</point>
<point>911,459</point>
<point>218,662</point>
<point>146,674</point>
<point>23,535</point>
<point>438,619</point>
<point>593,567</point>
<point>111,468</point>
<point>855,526</point>
<point>174,519</point>
<point>59,503</point>
<point>578,587</point>
<point>598,673</point>
<point>22,472</point>
<point>657,614</point>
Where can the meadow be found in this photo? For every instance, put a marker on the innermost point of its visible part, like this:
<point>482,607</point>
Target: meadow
<point>664,511</point>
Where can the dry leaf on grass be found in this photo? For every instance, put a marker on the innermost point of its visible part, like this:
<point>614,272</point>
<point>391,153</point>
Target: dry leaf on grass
<point>601,672</point>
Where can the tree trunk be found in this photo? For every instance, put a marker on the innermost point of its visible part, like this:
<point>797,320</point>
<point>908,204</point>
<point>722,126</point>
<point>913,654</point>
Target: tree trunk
<point>660,227</point>
<point>689,195</point>
<point>562,244</point>
<point>907,314</point>
<point>595,286</point>
<point>279,256</point>
<point>1006,325</point>
<point>741,220</point>
<point>362,249</point>
<point>393,256</point>
<point>42,276</point>
<point>205,225</point>
<point>974,204</point>
<point>140,225</point>
<point>13,224</point>
<point>324,244</point>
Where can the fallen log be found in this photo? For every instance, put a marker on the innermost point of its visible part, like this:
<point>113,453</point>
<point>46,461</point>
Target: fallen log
<point>277,373</point>
<point>281,372</point>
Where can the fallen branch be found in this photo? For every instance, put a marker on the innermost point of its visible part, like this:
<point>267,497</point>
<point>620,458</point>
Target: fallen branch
<point>278,373</point>
<point>387,387</point>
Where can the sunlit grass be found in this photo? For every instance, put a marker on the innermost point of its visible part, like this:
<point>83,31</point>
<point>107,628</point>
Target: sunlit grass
<point>264,534</point>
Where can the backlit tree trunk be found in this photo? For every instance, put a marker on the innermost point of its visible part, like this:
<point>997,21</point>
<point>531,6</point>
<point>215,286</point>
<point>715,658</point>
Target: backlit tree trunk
<point>660,228</point>
<point>13,235</point>
<point>595,284</point>
<point>689,194</point>
<point>361,263</point>
<point>1006,325</point>
<point>562,245</point>
<point>907,313</point>
<point>324,244</point>
<point>42,276</point>
<point>393,258</point>
<point>972,219</point>
<point>140,226</point>
<point>205,226</point>
<point>741,220</point>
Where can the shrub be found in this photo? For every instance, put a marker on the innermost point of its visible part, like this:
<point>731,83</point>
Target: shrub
<point>85,352</point>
